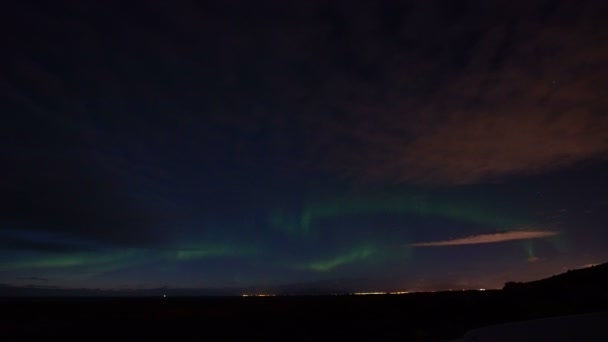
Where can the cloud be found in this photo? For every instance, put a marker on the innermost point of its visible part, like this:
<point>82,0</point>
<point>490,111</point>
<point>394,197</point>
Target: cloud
<point>44,241</point>
<point>34,278</point>
<point>38,286</point>
<point>488,238</point>
<point>427,92</point>
<point>510,97</point>
<point>532,259</point>
<point>484,147</point>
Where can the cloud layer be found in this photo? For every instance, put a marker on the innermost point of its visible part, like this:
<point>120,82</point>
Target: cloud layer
<point>488,238</point>
<point>509,97</point>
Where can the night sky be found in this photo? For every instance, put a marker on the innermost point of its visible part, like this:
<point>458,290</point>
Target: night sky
<point>368,145</point>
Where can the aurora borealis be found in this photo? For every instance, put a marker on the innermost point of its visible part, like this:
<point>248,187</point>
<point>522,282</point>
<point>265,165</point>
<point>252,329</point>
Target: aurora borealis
<point>386,146</point>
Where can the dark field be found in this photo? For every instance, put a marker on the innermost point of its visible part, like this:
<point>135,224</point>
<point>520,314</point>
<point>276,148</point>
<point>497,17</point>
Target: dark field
<point>421,316</point>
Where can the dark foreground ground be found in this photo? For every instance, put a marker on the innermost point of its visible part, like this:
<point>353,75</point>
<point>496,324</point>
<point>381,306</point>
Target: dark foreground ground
<point>423,316</point>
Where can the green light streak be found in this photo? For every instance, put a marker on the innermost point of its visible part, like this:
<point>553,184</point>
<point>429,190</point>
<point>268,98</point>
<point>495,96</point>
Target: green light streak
<point>359,254</point>
<point>529,247</point>
<point>560,242</point>
<point>71,260</point>
<point>207,251</point>
<point>286,222</point>
<point>345,206</point>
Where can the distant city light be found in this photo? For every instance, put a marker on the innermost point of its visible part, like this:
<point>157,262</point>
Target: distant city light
<point>369,293</point>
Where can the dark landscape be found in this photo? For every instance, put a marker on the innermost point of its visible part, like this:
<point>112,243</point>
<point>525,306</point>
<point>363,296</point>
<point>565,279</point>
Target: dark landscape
<point>415,316</point>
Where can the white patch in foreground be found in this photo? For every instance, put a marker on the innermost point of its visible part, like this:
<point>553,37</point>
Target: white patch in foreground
<point>588,327</point>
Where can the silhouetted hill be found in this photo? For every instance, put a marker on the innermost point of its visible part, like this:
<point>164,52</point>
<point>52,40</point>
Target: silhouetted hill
<point>592,279</point>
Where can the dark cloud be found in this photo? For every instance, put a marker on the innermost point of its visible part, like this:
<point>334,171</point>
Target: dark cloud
<point>38,286</point>
<point>430,92</point>
<point>42,241</point>
<point>513,96</point>
<point>34,279</point>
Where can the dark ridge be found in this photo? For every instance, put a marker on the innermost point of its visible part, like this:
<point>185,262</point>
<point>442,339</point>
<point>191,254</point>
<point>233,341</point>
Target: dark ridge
<point>591,279</point>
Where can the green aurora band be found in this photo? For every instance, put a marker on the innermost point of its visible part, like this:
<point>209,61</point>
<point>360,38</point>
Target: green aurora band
<point>302,224</point>
<point>356,255</point>
<point>90,263</point>
<point>294,223</point>
<point>366,254</point>
<point>213,250</point>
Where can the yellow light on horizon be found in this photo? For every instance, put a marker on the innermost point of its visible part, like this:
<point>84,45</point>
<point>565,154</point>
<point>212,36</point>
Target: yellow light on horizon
<point>369,293</point>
